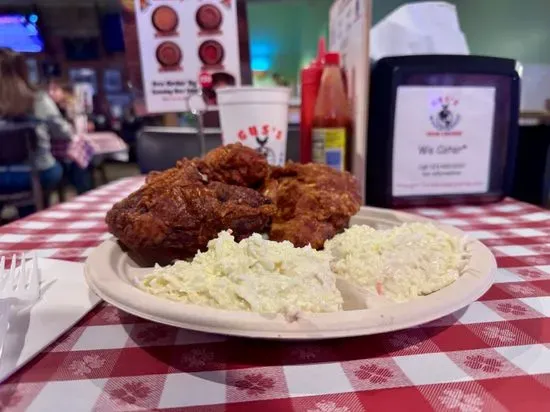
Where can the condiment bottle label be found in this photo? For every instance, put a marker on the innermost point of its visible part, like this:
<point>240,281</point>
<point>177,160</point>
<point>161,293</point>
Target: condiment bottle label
<point>329,147</point>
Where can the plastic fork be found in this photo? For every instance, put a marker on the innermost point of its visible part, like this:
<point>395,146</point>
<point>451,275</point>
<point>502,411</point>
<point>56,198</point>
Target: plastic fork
<point>19,286</point>
<point>5,311</point>
<point>22,284</point>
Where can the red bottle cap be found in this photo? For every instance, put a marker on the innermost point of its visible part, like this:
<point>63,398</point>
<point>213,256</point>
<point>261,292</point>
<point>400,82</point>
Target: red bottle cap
<point>312,73</point>
<point>321,50</point>
<point>332,58</point>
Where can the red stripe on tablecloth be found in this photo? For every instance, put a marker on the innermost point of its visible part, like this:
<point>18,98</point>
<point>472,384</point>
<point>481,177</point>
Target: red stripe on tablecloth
<point>518,393</point>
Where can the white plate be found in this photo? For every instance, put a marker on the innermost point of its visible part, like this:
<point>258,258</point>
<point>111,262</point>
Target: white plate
<point>111,274</point>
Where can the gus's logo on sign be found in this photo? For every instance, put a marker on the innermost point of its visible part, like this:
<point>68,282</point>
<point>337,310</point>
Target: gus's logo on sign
<point>262,138</point>
<point>444,116</point>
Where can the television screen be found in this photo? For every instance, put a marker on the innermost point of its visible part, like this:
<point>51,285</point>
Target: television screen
<point>20,33</point>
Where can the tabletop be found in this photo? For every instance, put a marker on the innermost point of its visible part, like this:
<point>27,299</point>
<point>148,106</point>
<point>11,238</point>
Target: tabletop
<point>493,355</point>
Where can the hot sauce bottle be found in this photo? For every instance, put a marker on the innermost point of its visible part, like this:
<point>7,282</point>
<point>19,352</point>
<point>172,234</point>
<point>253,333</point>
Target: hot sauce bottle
<point>332,119</point>
<point>310,83</point>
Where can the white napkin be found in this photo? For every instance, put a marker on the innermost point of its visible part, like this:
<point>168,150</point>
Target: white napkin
<point>65,299</point>
<point>429,27</point>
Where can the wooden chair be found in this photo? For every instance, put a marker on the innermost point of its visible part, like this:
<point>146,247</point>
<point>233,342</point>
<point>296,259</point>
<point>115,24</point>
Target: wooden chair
<point>18,143</point>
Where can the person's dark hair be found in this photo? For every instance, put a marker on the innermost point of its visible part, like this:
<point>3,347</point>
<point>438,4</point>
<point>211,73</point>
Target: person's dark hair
<point>16,92</point>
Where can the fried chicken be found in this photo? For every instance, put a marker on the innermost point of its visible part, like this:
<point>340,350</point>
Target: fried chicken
<point>236,164</point>
<point>314,202</point>
<point>179,210</point>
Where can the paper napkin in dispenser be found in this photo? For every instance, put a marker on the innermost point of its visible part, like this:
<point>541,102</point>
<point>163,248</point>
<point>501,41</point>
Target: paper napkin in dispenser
<point>430,27</point>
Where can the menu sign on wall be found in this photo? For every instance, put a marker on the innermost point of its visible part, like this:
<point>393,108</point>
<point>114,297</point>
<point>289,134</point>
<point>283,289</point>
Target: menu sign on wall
<point>442,140</point>
<point>181,42</point>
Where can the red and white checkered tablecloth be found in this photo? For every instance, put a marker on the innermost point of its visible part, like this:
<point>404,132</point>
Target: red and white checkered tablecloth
<point>492,356</point>
<point>83,148</point>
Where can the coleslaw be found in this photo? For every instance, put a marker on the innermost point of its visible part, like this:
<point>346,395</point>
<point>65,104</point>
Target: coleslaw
<point>254,275</point>
<point>401,263</point>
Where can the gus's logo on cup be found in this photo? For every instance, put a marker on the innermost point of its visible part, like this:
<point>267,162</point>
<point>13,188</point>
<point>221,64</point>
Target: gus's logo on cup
<point>263,138</point>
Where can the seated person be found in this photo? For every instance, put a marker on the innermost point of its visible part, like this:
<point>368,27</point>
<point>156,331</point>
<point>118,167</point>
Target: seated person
<point>63,96</point>
<point>21,101</point>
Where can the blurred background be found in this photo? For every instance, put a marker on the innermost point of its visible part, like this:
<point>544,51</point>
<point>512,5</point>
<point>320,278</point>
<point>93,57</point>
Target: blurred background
<point>283,33</point>
<point>67,42</point>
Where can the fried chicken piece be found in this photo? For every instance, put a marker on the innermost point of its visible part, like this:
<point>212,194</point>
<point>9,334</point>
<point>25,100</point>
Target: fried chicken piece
<point>179,210</point>
<point>235,164</point>
<point>314,202</point>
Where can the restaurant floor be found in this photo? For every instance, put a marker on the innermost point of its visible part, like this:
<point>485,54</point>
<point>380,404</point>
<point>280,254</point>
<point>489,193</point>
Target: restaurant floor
<point>114,172</point>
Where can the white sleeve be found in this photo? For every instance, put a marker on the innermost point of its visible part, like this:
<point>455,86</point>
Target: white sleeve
<point>46,110</point>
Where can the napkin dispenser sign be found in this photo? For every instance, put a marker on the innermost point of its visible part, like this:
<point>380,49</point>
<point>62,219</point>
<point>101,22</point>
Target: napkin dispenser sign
<point>443,129</point>
<point>442,140</point>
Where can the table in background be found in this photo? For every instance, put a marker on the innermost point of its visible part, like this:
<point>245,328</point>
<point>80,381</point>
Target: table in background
<point>493,355</point>
<point>84,148</point>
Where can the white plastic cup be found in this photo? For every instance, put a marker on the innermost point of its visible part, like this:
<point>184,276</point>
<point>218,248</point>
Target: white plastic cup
<point>257,117</point>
